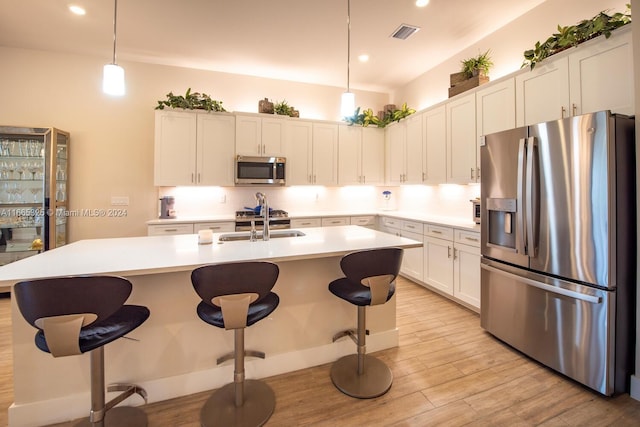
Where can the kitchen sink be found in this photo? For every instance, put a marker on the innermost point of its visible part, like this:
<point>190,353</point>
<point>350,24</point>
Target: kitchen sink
<point>246,235</point>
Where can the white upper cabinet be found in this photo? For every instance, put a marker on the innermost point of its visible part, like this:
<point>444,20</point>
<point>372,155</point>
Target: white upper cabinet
<point>193,148</point>
<point>543,94</point>
<point>597,75</point>
<point>601,76</point>
<point>215,150</point>
<point>299,152</point>
<point>260,136</point>
<point>372,156</point>
<point>325,154</point>
<point>414,150</point>
<point>395,136</point>
<point>360,155</point>
<point>404,148</point>
<point>461,140</point>
<point>349,155</point>
<point>495,111</point>
<point>434,125</point>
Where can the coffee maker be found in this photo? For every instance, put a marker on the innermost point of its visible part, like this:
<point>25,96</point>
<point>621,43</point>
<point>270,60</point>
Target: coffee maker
<point>167,209</point>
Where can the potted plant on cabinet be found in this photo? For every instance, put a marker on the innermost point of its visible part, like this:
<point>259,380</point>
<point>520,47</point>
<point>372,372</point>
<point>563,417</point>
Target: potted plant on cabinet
<point>191,101</point>
<point>474,72</point>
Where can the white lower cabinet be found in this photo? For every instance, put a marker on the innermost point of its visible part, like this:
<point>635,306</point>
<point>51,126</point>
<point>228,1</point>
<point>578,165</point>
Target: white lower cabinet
<point>169,230</point>
<point>412,260</point>
<point>335,221</point>
<point>306,222</point>
<point>368,221</point>
<point>452,263</point>
<point>190,228</point>
<point>216,227</point>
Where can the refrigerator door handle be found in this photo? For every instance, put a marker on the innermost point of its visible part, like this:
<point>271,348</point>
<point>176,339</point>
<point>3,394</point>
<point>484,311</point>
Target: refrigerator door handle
<point>543,286</point>
<point>531,197</point>
<point>520,206</point>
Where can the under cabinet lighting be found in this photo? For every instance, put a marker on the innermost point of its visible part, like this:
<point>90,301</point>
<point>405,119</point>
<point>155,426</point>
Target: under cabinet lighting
<point>422,3</point>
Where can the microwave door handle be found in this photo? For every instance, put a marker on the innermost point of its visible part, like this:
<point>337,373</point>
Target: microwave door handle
<point>532,197</point>
<point>520,205</point>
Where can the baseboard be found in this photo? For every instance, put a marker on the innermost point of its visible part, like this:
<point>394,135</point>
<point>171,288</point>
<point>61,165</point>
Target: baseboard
<point>43,412</point>
<point>635,387</point>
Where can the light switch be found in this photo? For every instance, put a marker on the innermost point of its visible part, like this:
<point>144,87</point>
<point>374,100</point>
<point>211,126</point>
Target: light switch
<point>119,200</point>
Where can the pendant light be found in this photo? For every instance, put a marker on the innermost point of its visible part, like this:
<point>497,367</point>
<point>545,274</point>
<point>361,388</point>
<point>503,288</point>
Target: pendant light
<point>348,104</point>
<point>113,74</point>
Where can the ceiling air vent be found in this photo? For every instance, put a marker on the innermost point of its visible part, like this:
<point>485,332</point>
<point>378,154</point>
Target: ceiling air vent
<point>404,31</point>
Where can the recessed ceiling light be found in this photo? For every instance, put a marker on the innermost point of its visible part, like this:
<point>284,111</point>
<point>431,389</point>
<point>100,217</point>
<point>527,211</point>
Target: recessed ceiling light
<point>363,58</point>
<point>422,3</point>
<point>77,10</point>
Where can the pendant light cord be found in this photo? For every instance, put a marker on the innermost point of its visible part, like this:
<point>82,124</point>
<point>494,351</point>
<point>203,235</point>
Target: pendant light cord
<point>348,40</point>
<point>115,20</point>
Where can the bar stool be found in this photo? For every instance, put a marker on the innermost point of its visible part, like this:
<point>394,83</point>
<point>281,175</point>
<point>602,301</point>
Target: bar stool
<point>370,280</point>
<point>234,296</point>
<point>80,314</point>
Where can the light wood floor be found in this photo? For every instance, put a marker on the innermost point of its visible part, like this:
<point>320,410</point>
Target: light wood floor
<point>447,371</point>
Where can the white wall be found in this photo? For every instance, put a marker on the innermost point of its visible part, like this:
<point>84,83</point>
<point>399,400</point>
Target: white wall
<point>111,147</point>
<point>507,46</point>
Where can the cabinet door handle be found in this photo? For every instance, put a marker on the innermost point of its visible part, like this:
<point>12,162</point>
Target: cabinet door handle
<point>574,109</point>
<point>192,177</point>
<point>562,111</point>
<point>455,253</point>
<point>448,251</point>
<point>478,173</point>
<point>472,173</point>
<point>424,176</point>
<point>310,179</point>
<point>198,177</point>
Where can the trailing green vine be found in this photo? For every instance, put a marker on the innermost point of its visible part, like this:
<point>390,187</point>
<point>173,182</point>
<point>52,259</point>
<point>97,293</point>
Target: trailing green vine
<point>573,35</point>
<point>367,117</point>
<point>191,101</point>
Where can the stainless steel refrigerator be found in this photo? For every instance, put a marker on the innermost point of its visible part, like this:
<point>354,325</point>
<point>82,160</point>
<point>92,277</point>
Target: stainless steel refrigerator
<point>558,229</point>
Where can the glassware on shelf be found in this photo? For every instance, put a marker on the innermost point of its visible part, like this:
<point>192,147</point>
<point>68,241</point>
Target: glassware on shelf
<point>4,147</point>
<point>35,191</point>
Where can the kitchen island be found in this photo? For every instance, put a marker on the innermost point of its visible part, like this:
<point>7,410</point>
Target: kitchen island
<point>174,352</point>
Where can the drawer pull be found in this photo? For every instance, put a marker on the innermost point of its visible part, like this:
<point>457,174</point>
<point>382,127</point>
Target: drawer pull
<point>436,232</point>
<point>168,230</point>
<point>473,239</point>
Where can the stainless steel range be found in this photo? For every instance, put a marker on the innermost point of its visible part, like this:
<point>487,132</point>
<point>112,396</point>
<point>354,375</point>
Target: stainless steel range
<point>278,220</point>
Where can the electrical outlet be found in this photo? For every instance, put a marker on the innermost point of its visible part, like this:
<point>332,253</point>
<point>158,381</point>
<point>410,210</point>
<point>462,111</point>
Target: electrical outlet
<point>119,200</point>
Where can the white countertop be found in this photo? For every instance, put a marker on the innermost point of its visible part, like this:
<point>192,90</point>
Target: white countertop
<point>456,222</point>
<point>132,256</point>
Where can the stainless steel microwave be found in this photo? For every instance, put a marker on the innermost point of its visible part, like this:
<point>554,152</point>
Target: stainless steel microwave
<point>260,170</point>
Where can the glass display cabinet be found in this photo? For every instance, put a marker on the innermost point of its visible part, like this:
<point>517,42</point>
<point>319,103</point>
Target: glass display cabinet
<point>34,171</point>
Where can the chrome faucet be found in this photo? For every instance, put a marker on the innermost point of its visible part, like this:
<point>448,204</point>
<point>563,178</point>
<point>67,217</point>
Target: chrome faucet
<point>264,209</point>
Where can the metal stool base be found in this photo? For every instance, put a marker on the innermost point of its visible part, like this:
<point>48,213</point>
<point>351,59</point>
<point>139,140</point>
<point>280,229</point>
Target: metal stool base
<point>375,381</point>
<point>220,409</point>
<point>121,416</point>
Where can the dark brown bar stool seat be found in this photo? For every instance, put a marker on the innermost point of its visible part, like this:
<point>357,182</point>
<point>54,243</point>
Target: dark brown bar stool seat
<point>75,315</point>
<point>370,280</point>
<point>234,296</point>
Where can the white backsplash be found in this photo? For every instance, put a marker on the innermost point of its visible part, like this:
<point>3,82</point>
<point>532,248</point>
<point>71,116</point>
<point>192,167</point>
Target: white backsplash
<point>440,200</point>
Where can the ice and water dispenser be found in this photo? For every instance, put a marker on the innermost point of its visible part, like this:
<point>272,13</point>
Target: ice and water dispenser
<point>501,219</point>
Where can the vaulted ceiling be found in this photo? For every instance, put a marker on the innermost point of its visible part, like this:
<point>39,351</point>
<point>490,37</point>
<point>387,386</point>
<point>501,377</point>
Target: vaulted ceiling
<point>298,40</point>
